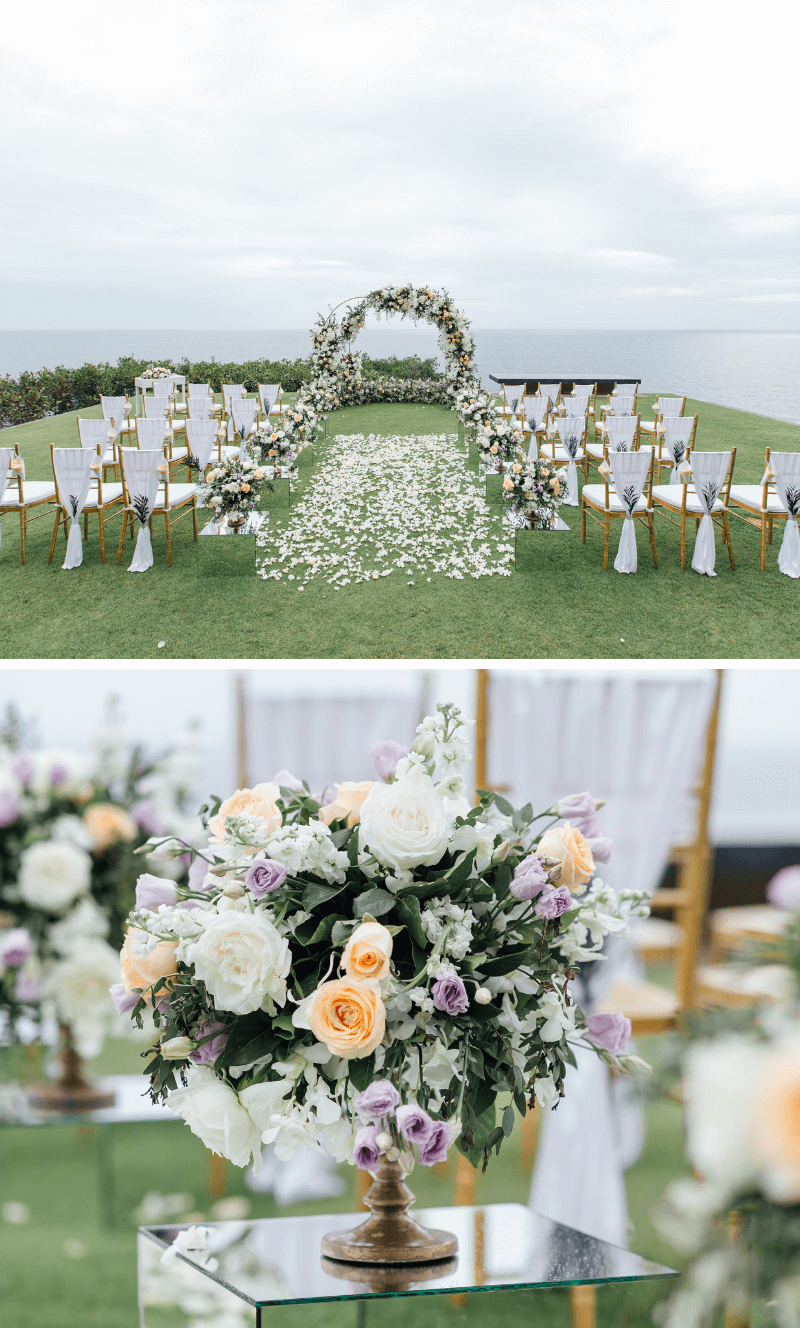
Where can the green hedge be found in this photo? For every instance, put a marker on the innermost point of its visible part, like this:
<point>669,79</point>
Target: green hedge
<point>33,396</point>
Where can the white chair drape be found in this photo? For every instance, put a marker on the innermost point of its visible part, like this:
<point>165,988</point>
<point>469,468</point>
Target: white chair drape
<point>514,393</point>
<point>199,407</point>
<point>72,466</point>
<point>787,486</point>
<point>268,395</point>
<point>6,453</point>
<point>140,469</point>
<point>536,410</point>
<point>571,429</point>
<point>622,405</point>
<point>621,433</point>
<point>243,416</point>
<point>677,435</point>
<point>97,433</point>
<point>151,434</point>
<point>708,472</point>
<point>201,436</point>
<point>551,390</point>
<point>629,472</point>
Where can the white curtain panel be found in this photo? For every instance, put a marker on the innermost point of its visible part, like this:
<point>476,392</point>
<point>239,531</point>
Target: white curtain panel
<point>6,453</point>
<point>201,435</point>
<point>677,433</point>
<point>72,467</point>
<point>708,472</point>
<point>324,740</point>
<point>570,431</point>
<point>142,478</point>
<point>787,484</point>
<point>629,472</point>
<point>620,433</point>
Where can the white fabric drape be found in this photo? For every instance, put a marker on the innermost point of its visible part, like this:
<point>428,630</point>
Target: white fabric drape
<point>787,486</point>
<point>620,433</point>
<point>708,472</point>
<point>268,395</point>
<point>151,434</point>
<point>536,409</point>
<point>622,405</point>
<point>6,453</point>
<point>570,431</point>
<point>72,466</point>
<point>550,390</point>
<point>201,435</point>
<point>629,472</point>
<point>243,416</point>
<point>514,394</point>
<point>141,479</point>
<point>677,433</point>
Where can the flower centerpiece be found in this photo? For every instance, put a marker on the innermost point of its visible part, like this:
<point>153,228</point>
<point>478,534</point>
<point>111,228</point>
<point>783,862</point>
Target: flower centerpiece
<point>276,449</point>
<point>368,975</point>
<point>232,488</point>
<point>532,493</point>
<point>155,371</point>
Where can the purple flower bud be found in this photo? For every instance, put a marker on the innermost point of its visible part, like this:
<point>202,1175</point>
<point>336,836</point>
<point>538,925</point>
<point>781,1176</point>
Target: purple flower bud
<point>579,809</point>
<point>265,876</point>
<point>22,768</point>
<point>385,755</point>
<point>600,845</point>
<point>57,774</point>
<point>15,947</point>
<point>435,1150</point>
<point>28,987</point>
<point>154,890</point>
<point>414,1124</point>
<point>9,807</point>
<point>783,890</point>
<point>146,817</point>
<point>123,1003</point>
<point>209,1051</point>
<point>610,1031</point>
<point>198,872</point>
<point>450,995</point>
<point>366,1153</point>
<point>377,1101</point>
<point>530,878</point>
<point>553,902</point>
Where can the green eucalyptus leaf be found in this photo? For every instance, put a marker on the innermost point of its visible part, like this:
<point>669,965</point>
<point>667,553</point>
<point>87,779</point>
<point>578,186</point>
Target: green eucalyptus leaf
<point>314,896</point>
<point>376,902</point>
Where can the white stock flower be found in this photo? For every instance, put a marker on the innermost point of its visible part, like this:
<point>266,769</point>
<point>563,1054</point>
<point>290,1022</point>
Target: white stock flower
<point>439,1064</point>
<point>213,1112</point>
<point>480,837</point>
<point>52,875</point>
<point>721,1080</point>
<point>308,848</point>
<point>79,990</point>
<point>243,960</point>
<point>405,824</point>
<point>84,920</point>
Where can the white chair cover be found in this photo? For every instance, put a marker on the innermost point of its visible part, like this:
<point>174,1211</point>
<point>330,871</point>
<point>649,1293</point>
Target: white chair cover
<point>787,486</point>
<point>514,392</point>
<point>621,433</point>
<point>199,407</point>
<point>95,433</point>
<point>669,407</point>
<point>536,411</point>
<point>268,395</point>
<point>231,391</point>
<point>140,469</point>
<point>677,436</point>
<point>151,434</point>
<point>162,387</point>
<point>629,472</point>
<point>72,466</point>
<point>708,472</point>
<point>201,435</point>
<point>6,453</point>
<point>198,389</point>
<point>551,390</point>
<point>243,416</point>
<point>155,407</point>
<point>622,405</point>
<point>625,390</point>
<point>571,429</point>
<point>114,410</point>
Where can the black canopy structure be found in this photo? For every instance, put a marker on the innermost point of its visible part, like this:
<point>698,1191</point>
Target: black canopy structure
<point>604,385</point>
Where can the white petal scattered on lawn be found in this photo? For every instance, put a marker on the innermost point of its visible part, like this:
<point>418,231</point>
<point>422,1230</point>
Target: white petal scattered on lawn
<point>379,505</point>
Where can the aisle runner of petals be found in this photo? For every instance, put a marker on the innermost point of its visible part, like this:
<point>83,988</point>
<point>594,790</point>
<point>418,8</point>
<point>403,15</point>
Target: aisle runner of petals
<point>378,506</point>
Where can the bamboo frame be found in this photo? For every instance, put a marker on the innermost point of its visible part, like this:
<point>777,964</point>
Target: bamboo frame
<point>721,516</point>
<point>658,441</point>
<point>588,506</point>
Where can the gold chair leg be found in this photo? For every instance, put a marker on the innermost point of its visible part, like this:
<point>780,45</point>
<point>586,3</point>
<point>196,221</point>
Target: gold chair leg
<point>169,539</point>
<point>583,1306</point>
<point>194,518</point>
<point>726,528</point>
<point>763,542</point>
<point>583,521</point>
<point>683,541</point>
<point>53,540</point>
<point>653,538</point>
<point>102,537</point>
<point>125,516</point>
<point>85,526</point>
<point>605,543</point>
<point>23,525</point>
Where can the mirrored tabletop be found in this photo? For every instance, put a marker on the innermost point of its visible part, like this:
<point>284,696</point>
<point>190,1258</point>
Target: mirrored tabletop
<point>131,1103</point>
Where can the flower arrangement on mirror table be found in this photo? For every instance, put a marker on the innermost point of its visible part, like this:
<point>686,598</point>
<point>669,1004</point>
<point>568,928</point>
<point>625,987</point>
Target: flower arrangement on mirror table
<point>532,493</point>
<point>369,975</point>
<point>276,450</point>
<point>232,488</point>
<point>156,371</point>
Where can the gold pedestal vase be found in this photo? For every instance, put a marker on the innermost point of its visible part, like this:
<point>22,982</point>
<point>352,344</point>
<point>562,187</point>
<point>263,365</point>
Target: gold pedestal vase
<point>72,1091</point>
<point>389,1235</point>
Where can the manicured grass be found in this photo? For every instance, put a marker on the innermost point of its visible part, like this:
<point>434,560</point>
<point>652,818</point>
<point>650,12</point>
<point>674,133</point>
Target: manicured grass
<point>54,1172</point>
<point>559,604</point>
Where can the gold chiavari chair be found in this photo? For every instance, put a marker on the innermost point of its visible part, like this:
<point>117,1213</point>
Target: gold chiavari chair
<point>604,500</point>
<point>20,495</point>
<point>761,501</point>
<point>171,498</point>
<point>663,408</point>
<point>675,506</point>
<point>106,500</point>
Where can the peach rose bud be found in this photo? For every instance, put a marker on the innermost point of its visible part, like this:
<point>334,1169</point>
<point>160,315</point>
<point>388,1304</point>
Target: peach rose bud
<point>368,952</point>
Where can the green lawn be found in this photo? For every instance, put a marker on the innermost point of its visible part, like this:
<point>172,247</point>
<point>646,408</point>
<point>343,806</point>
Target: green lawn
<point>559,603</point>
<point>54,1172</point>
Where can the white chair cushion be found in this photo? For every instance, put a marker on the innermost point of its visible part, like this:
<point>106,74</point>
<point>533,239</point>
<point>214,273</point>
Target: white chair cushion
<point>178,494</point>
<point>749,496</point>
<point>670,495</point>
<point>595,450</point>
<point>596,495</point>
<point>111,492</point>
<point>229,451</point>
<point>34,491</point>
<point>562,455</point>
<point>178,453</point>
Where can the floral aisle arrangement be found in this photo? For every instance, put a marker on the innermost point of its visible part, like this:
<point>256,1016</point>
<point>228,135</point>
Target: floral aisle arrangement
<point>69,829</point>
<point>368,975</point>
<point>155,371</point>
<point>233,486</point>
<point>275,449</point>
<point>533,493</point>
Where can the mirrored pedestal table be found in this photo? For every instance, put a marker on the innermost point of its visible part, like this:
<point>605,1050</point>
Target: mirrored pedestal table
<point>276,1262</point>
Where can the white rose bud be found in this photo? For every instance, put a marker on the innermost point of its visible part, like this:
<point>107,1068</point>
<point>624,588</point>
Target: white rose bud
<point>423,744</point>
<point>406,1161</point>
<point>483,996</point>
<point>177,1048</point>
<point>383,1140</point>
<point>233,890</point>
<point>501,852</point>
<point>392,1154</point>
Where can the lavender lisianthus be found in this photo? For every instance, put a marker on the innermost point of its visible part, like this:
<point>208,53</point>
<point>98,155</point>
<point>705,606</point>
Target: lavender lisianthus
<point>15,947</point>
<point>783,890</point>
<point>28,987</point>
<point>580,810</point>
<point>414,1124</point>
<point>57,775</point>
<point>197,873</point>
<point>22,768</point>
<point>123,1002</point>
<point>366,1153</point>
<point>385,755</point>
<point>213,1047</point>
<point>265,876</point>
<point>610,1031</point>
<point>377,1101</point>
<point>600,845</point>
<point>9,807</point>
<point>530,878</point>
<point>435,1150</point>
<point>147,818</point>
<point>450,995</point>
<point>151,891</point>
<point>553,902</point>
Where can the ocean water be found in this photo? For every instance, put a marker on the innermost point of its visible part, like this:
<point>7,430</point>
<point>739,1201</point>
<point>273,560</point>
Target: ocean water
<point>752,371</point>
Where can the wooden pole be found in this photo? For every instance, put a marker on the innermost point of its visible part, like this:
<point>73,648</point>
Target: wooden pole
<point>241,736</point>
<point>481,729</point>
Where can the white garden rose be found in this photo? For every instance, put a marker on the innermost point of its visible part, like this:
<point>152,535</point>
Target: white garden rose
<point>86,919</point>
<point>405,824</point>
<point>79,990</point>
<point>52,875</point>
<point>213,1112</point>
<point>243,960</point>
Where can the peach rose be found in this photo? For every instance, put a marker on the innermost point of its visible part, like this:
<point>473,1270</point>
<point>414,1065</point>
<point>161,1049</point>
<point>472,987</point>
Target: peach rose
<point>777,1132</point>
<point>571,850</point>
<point>145,970</point>
<point>349,1017</point>
<point>347,803</point>
<point>108,824</point>
<point>259,801</point>
<point>507,483</point>
<point>368,951</point>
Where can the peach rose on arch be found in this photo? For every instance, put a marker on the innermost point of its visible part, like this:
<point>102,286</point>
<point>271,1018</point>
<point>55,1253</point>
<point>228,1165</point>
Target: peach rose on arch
<point>259,801</point>
<point>347,804</point>
<point>572,852</point>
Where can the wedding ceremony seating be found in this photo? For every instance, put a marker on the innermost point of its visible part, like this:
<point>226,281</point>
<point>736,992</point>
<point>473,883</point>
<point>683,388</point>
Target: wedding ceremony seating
<point>155,435</point>
<point>551,390</point>
<point>625,390</point>
<point>199,408</point>
<point>705,499</point>
<point>619,433</point>
<point>675,441</point>
<point>243,417</point>
<point>625,494</point>
<point>776,498</point>
<point>229,391</point>
<point>618,406</point>
<point>202,437</point>
<point>663,408</point>
<point>118,410</point>
<point>19,495</point>
<point>146,496</point>
<point>535,411</point>
<point>270,396</point>
<point>96,435</point>
<point>80,492</point>
<point>571,450</point>
<point>513,394</point>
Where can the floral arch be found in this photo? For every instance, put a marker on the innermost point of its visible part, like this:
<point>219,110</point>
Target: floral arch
<point>337,378</point>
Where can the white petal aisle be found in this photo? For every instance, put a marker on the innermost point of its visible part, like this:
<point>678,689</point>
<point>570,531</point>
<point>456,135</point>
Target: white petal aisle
<point>402,505</point>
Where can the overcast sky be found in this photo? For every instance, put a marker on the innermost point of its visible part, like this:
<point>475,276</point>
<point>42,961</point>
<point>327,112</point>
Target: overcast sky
<point>245,164</point>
